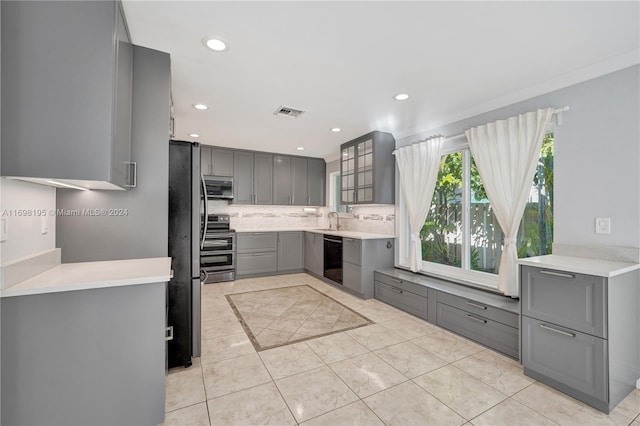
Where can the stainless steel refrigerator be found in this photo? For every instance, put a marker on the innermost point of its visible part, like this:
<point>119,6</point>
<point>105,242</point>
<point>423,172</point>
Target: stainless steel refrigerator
<point>185,207</point>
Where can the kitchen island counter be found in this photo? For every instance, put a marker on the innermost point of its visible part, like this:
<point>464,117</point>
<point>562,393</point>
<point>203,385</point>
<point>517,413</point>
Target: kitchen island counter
<point>93,275</point>
<point>347,234</point>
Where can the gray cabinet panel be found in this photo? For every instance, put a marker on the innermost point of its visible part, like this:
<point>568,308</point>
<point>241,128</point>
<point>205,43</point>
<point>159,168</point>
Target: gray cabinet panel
<point>575,301</point>
<point>206,165</point>
<point>479,328</point>
<point>299,195</point>
<point>351,250</point>
<point>256,263</point>
<point>66,92</point>
<point>314,253</point>
<point>316,177</point>
<point>256,241</point>
<point>352,277</point>
<point>221,162</point>
<point>281,180</point>
<point>242,177</point>
<point>263,178</point>
<point>402,299</point>
<point>291,254</point>
<point>476,308</point>
<point>402,284</point>
<point>572,358</point>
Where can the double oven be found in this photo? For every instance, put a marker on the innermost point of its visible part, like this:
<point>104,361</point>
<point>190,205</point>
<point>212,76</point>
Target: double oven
<point>217,250</point>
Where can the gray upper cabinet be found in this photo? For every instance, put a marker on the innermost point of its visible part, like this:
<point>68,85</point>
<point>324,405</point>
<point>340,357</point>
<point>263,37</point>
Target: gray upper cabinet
<point>243,177</point>
<point>281,180</point>
<point>263,178</point>
<point>221,162</point>
<point>66,91</point>
<point>299,181</point>
<point>316,176</point>
<point>367,169</point>
<point>206,166</point>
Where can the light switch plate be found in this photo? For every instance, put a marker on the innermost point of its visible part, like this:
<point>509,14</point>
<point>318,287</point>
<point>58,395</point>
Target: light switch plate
<point>603,225</point>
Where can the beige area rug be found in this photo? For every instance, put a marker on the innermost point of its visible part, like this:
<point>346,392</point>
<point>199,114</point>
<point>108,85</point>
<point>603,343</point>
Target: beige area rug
<point>282,316</point>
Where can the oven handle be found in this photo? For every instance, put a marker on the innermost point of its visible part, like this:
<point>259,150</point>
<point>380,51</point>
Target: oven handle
<point>332,240</point>
<point>206,215</point>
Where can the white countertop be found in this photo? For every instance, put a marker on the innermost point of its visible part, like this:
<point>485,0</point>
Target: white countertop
<point>92,275</point>
<point>346,234</point>
<point>580,265</point>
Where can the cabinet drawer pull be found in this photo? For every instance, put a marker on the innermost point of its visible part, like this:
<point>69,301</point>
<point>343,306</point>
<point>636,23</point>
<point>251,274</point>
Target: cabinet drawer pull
<point>471,317</point>
<point>396,281</point>
<point>258,233</point>
<point>260,254</point>
<point>475,305</point>
<point>557,274</point>
<point>555,330</point>
<point>396,290</point>
<point>169,333</point>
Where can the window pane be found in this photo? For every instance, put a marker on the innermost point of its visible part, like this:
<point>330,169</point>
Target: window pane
<point>441,234</point>
<point>485,232</point>
<point>535,234</point>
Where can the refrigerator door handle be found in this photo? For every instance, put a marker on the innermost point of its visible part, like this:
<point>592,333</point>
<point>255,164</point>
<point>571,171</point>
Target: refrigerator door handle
<point>206,214</point>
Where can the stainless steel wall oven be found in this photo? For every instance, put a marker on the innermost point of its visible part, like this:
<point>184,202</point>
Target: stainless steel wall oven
<point>217,250</point>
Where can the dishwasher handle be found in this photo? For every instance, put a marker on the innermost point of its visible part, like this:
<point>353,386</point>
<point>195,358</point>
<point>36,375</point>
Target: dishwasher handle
<point>333,240</point>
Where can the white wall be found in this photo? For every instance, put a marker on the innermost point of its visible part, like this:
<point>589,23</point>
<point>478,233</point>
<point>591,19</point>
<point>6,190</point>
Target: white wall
<point>25,232</point>
<point>597,156</point>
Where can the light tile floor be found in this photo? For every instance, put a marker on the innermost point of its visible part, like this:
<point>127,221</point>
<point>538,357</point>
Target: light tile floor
<point>399,371</point>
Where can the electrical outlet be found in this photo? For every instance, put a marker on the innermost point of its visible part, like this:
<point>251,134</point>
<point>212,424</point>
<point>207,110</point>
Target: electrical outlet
<point>603,225</point>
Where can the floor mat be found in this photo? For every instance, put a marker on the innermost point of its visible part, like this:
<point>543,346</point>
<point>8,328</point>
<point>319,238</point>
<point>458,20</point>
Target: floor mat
<point>281,316</point>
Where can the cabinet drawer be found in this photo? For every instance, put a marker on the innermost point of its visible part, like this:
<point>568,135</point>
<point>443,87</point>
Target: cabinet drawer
<point>257,241</point>
<point>351,250</point>
<point>572,358</point>
<point>256,263</point>
<point>575,301</point>
<point>483,330</point>
<point>479,309</point>
<point>401,299</point>
<point>401,284</point>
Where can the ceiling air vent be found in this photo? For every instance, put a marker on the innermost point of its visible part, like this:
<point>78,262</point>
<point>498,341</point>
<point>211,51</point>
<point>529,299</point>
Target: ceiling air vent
<point>286,111</point>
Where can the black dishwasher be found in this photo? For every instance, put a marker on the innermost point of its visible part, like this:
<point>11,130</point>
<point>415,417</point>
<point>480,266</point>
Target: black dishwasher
<point>333,258</point>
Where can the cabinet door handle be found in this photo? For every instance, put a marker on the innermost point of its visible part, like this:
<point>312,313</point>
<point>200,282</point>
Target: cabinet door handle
<point>132,174</point>
<point>260,254</point>
<point>169,333</point>
<point>475,305</point>
<point>557,274</point>
<point>258,233</point>
<point>396,281</point>
<point>308,200</point>
<point>471,317</point>
<point>396,290</point>
<point>555,330</point>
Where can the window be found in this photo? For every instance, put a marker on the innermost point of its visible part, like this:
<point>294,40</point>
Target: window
<point>461,237</point>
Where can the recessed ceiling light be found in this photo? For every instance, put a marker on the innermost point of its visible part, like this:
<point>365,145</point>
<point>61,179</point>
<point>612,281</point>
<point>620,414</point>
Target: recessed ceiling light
<point>401,97</point>
<point>300,148</point>
<point>194,135</point>
<point>216,44</point>
<point>336,129</point>
<point>201,107</point>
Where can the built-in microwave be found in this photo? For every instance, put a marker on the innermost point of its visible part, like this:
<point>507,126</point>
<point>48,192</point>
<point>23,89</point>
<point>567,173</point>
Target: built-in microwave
<point>219,187</point>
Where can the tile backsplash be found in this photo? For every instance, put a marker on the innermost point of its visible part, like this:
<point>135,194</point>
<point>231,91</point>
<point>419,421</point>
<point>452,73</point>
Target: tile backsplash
<point>375,219</point>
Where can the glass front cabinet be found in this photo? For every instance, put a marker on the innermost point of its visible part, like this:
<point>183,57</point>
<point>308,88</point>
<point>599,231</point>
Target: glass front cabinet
<point>367,170</point>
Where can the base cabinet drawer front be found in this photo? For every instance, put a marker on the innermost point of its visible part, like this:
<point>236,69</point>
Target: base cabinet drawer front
<point>401,284</point>
<point>352,277</point>
<point>483,330</point>
<point>575,301</point>
<point>256,263</point>
<point>572,358</point>
<point>479,309</point>
<point>351,250</point>
<point>401,299</point>
<point>257,241</point>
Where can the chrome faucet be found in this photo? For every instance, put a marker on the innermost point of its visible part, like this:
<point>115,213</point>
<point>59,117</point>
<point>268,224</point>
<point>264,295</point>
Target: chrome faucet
<point>337,220</point>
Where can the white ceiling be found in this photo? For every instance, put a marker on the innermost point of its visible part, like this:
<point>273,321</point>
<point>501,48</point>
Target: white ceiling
<point>342,62</point>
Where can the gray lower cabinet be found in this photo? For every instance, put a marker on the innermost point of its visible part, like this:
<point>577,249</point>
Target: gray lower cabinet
<point>267,253</point>
<point>66,92</point>
<point>581,333</point>
<point>314,253</point>
<point>486,318</point>
<point>83,357</point>
<point>359,260</point>
<point>290,251</point>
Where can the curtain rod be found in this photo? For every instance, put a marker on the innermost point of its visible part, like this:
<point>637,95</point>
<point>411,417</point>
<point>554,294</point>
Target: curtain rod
<point>556,112</point>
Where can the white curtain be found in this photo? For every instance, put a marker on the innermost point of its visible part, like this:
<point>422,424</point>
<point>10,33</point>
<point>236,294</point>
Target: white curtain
<point>418,165</point>
<point>506,153</point>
